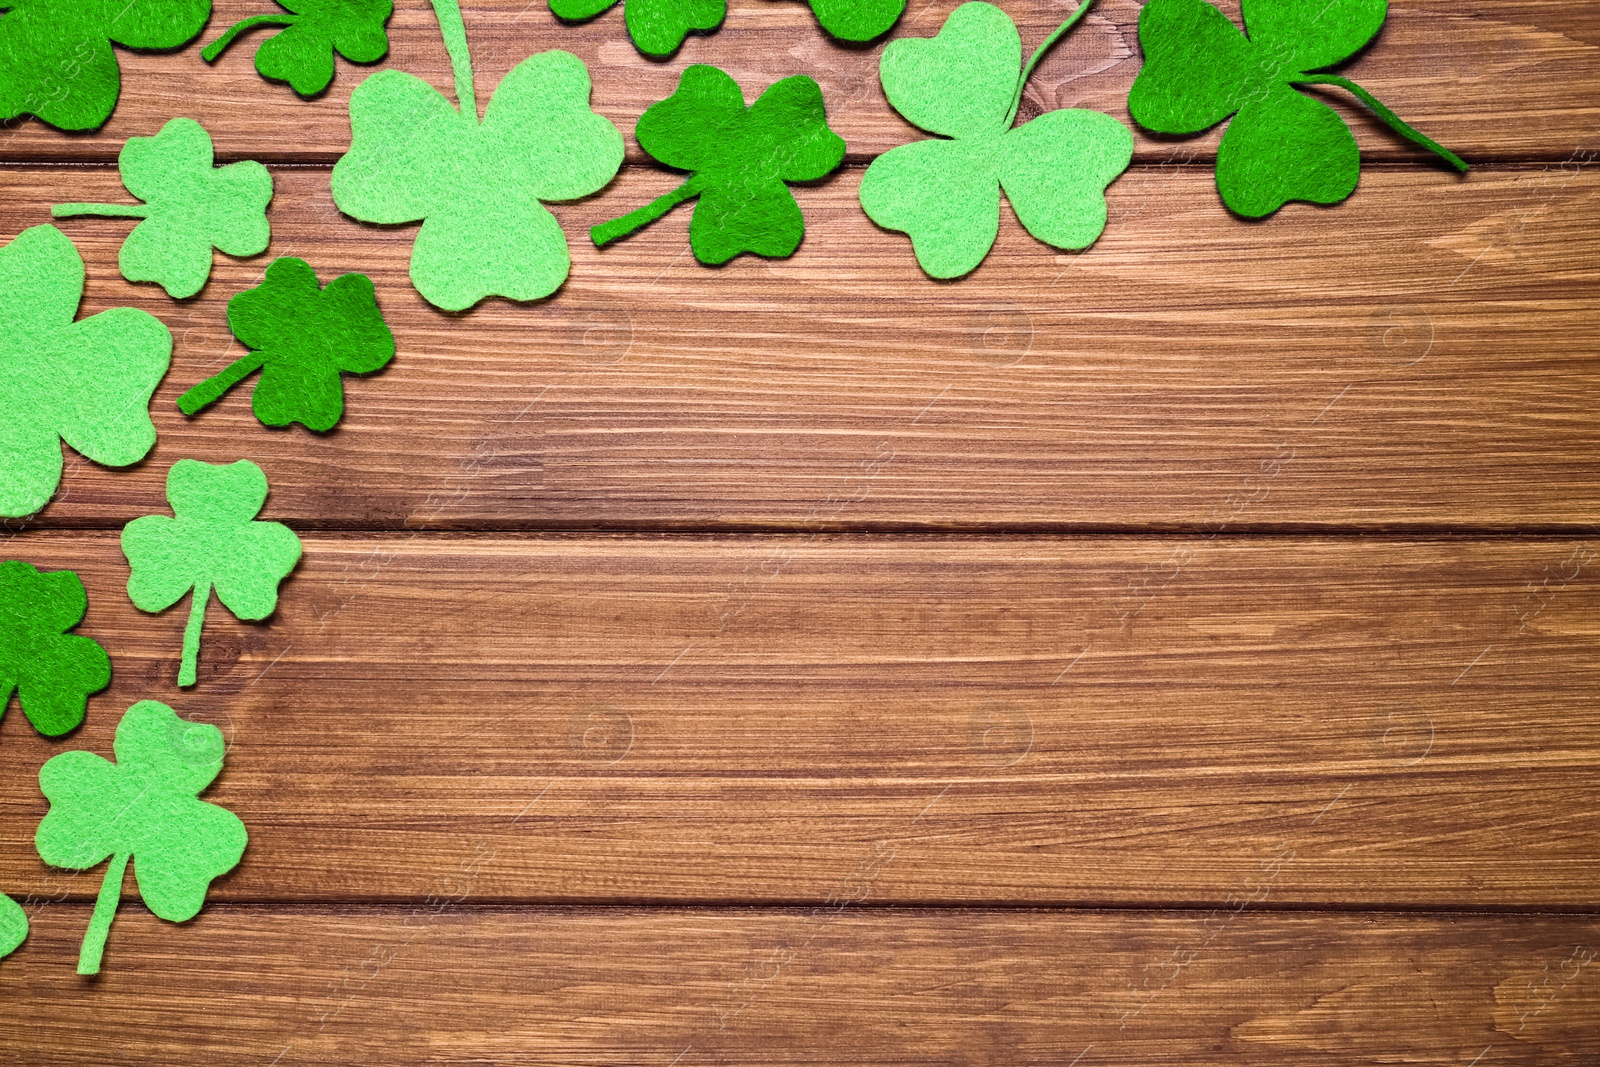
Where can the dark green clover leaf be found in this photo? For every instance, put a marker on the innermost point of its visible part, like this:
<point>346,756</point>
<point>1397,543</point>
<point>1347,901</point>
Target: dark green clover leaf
<point>211,543</point>
<point>741,159</point>
<point>965,86</point>
<point>1282,145</point>
<point>56,60</point>
<point>304,338</point>
<point>51,671</point>
<point>657,27</point>
<point>13,926</point>
<point>143,808</point>
<point>189,208</point>
<point>302,55</point>
<point>857,20</point>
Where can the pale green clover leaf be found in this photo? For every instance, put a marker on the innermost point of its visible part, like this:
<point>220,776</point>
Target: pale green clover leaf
<point>87,382</point>
<point>13,926</point>
<point>964,85</point>
<point>189,207</point>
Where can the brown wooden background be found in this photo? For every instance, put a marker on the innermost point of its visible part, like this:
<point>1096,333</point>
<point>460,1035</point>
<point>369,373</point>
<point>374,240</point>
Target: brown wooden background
<point>1181,653</point>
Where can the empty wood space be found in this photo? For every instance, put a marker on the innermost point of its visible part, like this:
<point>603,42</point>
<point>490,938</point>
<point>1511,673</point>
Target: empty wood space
<point>1184,652</point>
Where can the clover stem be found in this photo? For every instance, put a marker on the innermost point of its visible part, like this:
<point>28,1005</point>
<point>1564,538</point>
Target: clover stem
<point>633,221</point>
<point>454,31</point>
<point>121,211</point>
<point>105,909</point>
<point>191,635</point>
<point>211,51</point>
<point>1038,54</point>
<point>1395,122</point>
<point>209,391</point>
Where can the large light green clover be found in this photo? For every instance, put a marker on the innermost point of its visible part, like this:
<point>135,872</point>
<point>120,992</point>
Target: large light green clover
<point>964,86</point>
<point>142,808</point>
<point>87,382</point>
<point>477,186</point>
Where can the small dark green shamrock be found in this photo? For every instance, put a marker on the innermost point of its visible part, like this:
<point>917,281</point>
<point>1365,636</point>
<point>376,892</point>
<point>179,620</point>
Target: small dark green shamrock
<point>857,20</point>
<point>302,55</point>
<point>1282,145</point>
<point>189,207</point>
<point>212,543</point>
<point>657,27</point>
<point>56,60</point>
<point>741,159</point>
<point>303,338</point>
<point>13,926</point>
<point>51,671</point>
<point>143,808</point>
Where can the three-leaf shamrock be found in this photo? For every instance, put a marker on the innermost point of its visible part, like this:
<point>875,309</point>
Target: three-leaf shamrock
<point>303,338</point>
<point>857,20</point>
<point>302,55</point>
<point>741,159</point>
<point>56,60</point>
<point>51,671</point>
<point>13,925</point>
<point>477,186</point>
<point>211,544</point>
<point>88,382</point>
<point>144,808</point>
<point>189,207</point>
<point>945,192</point>
<point>1282,145</point>
<point>657,27</point>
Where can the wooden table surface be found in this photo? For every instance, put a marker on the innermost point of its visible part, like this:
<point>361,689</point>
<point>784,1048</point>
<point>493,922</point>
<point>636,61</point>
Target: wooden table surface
<point>1182,653</point>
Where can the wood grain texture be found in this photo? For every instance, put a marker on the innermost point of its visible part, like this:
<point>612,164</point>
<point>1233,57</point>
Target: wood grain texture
<point>1492,79</point>
<point>1062,721</point>
<point>454,984</point>
<point>1424,356</point>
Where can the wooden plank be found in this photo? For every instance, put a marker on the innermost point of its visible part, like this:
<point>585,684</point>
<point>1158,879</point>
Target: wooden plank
<point>1017,720</point>
<point>1511,79</point>
<point>451,983</point>
<point>1424,356</point>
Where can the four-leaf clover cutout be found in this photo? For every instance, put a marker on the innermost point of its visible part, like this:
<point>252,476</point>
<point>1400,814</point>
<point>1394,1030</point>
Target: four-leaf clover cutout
<point>87,382</point>
<point>302,54</point>
<point>965,86</point>
<point>1282,144</point>
<point>189,207</point>
<point>304,337</point>
<point>211,544</point>
<point>143,808</point>
<point>741,158</point>
<point>53,672</point>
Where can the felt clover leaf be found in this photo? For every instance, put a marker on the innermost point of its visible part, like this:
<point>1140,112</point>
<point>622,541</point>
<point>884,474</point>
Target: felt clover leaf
<point>302,55</point>
<point>303,338</point>
<point>13,926</point>
<point>211,544</point>
<point>56,60</point>
<point>1282,145</point>
<point>741,159</point>
<point>189,207</point>
<point>143,808</point>
<point>477,186</point>
<point>657,27</point>
<point>944,192</point>
<point>857,20</point>
<point>88,382</point>
<point>51,671</point>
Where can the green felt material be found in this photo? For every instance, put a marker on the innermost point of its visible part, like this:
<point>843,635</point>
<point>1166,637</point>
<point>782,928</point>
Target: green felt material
<point>1281,145</point>
<point>51,671</point>
<point>142,808</point>
<point>965,85</point>
<point>657,27</point>
<point>303,338</point>
<point>740,159</point>
<point>302,53</point>
<point>477,186</point>
<point>211,544</point>
<point>56,60</point>
<point>189,207</point>
<point>857,20</point>
<point>87,382</point>
<point>13,926</point>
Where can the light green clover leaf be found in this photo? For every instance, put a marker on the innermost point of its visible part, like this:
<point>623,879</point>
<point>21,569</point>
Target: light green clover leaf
<point>189,207</point>
<point>13,926</point>
<point>87,382</point>
<point>964,85</point>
